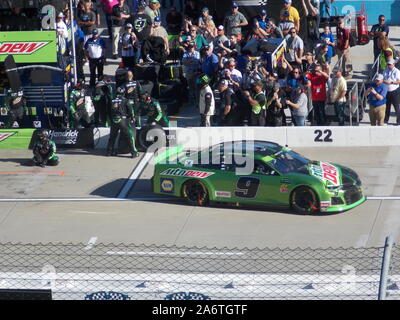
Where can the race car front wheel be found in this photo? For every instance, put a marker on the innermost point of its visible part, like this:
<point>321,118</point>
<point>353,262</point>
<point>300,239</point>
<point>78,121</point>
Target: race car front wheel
<point>304,200</point>
<point>195,193</point>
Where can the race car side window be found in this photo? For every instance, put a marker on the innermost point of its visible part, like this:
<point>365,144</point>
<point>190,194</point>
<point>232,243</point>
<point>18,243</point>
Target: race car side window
<point>264,169</point>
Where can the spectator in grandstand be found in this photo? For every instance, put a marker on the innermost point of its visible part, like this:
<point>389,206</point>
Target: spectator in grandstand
<point>343,48</point>
<point>107,6</point>
<point>318,80</point>
<point>220,39</point>
<point>322,57</point>
<point>234,48</point>
<point>256,33</point>
<point>391,77</point>
<point>198,38</point>
<point>386,52</point>
<point>62,33</point>
<point>204,18</point>
<point>307,61</point>
<point>285,24</point>
<point>87,20</point>
<point>120,12</point>
<point>377,101</point>
<point>191,67</point>
<point>142,26</point>
<point>210,62</point>
<point>230,73</point>
<point>153,10</point>
<point>294,48</point>
<point>262,19</point>
<point>327,38</point>
<point>95,49</point>
<point>229,105</point>
<point>159,31</point>
<point>174,21</point>
<point>271,31</point>
<point>338,95</point>
<point>381,29</point>
<point>128,47</point>
<point>312,19</point>
<point>293,14</point>
<point>298,102</point>
<point>234,21</point>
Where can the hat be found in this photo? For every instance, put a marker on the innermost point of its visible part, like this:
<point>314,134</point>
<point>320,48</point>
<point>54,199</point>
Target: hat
<point>263,12</point>
<point>220,27</point>
<point>288,1</point>
<point>234,5</point>
<point>95,31</point>
<point>60,15</point>
<point>205,9</point>
<point>157,19</point>
<point>378,77</point>
<point>224,82</point>
<point>390,61</point>
<point>286,13</point>
<point>128,26</point>
<point>153,1</point>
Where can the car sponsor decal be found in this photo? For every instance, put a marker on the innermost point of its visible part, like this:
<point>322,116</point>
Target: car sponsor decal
<point>5,135</point>
<point>188,163</point>
<point>223,194</point>
<point>167,185</point>
<point>326,172</point>
<point>24,48</point>
<point>186,173</point>
<point>325,205</point>
<point>283,188</point>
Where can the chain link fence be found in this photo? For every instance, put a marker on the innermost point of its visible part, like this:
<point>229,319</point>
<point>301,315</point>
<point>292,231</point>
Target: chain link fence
<point>158,272</point>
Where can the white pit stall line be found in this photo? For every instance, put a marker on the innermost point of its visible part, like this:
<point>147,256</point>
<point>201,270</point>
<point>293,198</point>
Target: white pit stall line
<point>135,175</point>
<point>84,199</point>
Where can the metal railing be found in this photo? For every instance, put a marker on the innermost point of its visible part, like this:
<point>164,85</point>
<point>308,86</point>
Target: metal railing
<point>160,272</point>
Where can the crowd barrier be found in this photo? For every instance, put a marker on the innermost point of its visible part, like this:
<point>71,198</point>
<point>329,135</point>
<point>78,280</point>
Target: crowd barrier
<point>200,137</point>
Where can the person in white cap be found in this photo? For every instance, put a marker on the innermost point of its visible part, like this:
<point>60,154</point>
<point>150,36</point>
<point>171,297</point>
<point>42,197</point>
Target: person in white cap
<point>220,39</point>
<point>128,47</point>
<point>391,77</point>
<point>62,33</point>
<point>377,101</point>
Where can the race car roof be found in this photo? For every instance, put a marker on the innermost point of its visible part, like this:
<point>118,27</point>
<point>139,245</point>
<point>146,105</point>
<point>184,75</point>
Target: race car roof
<point>257,147</point>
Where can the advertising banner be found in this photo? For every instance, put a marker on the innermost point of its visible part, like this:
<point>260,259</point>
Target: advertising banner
<point>29,46</point>
<point>69,138</point>
<point>15,138</point>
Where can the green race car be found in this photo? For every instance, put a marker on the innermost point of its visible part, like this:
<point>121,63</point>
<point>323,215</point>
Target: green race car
<point>276,176</point>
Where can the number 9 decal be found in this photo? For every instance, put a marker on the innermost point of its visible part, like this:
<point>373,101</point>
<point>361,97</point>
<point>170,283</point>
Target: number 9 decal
<point>247,187</point>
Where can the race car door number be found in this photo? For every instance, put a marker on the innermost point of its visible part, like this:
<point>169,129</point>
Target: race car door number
<point>247,187</point>
<point>323,136</point>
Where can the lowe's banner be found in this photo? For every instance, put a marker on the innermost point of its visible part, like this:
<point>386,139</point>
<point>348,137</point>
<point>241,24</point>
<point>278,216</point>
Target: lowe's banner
<point>29,46</point>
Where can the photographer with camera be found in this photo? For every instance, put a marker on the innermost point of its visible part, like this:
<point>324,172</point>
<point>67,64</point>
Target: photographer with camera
<point>275,116</point>
<point>298,104</point>
<point>377,101</point>
<point>318,79</point>
<point>220,41</point>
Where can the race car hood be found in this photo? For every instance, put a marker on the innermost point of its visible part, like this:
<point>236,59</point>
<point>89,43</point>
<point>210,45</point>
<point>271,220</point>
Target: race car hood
<point>330,174</point>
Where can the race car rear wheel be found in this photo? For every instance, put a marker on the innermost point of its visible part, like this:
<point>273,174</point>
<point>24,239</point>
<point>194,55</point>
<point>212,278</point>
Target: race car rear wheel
<point>195,193</point>
<point>304,200</point>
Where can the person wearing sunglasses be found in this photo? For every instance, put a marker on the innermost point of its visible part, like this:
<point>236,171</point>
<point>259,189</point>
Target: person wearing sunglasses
<point>294,48</point>
<point>381,29</point>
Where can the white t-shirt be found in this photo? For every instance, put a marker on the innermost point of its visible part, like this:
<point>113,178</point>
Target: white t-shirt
<point>391,75</point>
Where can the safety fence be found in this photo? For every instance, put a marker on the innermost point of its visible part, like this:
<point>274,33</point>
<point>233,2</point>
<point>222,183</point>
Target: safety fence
<point>102,272</point>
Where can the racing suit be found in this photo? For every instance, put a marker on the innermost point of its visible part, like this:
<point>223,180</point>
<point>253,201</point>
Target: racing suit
<point>154,113</point>
<point>121,118</point>
<point>78,109</point>
<point>101,100</point>
<point>132,89</point>
<point>16,104</point>
<point>206,106</point>
<point>44,153</point>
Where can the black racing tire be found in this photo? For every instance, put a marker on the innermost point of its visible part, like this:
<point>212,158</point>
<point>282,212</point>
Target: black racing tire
<point>304,200</point>
<point>195,193</point>
<point>145,140</point>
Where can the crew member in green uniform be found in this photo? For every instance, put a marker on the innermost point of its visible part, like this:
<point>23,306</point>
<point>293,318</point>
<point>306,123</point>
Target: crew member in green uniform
<point>152,109</point>
<point>44,150</point>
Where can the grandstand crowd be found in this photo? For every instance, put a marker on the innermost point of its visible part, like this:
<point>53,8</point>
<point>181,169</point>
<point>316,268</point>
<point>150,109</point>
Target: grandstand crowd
<point>226,75</point>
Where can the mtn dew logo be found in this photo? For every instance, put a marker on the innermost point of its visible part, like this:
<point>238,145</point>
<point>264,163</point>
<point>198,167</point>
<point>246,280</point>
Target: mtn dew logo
<point>326,172</point>
<point>29,47</point>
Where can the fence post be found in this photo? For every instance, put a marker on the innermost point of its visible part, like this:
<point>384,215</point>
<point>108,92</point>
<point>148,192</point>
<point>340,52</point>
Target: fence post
<point>387,255</point>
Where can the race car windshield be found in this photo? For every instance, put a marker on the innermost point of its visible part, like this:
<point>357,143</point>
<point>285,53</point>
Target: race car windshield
<point>289,161</point>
